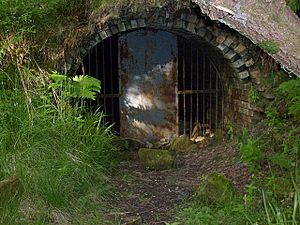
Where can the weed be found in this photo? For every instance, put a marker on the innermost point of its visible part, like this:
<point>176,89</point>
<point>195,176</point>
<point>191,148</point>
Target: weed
<point>271,47</point>
<point>253,95</point>
<point>250,149</point>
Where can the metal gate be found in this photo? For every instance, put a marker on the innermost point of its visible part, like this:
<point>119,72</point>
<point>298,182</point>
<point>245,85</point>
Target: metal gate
<point>200,92</point>
<point>173,75</point>
<point>102,63</point>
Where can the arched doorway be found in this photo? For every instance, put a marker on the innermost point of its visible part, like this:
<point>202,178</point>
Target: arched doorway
<point>156,84</point>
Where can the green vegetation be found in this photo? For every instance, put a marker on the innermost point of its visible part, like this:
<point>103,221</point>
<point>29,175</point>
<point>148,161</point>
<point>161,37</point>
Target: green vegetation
<point>156,159</point>
<point>271,47</point>
<point>58,154</point>
<point>253,95</point>
<point>272,155</point>
<point>294,5</point>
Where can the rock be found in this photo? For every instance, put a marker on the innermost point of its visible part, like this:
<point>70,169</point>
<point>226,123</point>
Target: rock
<point>156,159</point>
<point>133,220</point>
<point>268,96</point>
<point>10,189</point>
<point>215,189</point>
<point>127,144</point>
<point>183,144</point>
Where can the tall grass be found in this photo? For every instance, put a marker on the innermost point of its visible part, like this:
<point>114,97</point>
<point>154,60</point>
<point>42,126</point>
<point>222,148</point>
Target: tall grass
<point>59,157</point>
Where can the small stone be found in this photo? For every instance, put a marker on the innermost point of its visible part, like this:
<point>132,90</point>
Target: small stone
<point>268,96</point>
<point>132,220</point>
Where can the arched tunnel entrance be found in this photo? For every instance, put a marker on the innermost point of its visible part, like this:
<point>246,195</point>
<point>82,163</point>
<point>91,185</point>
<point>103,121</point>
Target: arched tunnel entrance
<point>155,85</point>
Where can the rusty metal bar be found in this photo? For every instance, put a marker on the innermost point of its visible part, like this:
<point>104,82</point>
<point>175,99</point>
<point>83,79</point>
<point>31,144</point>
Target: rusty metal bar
<point>197,90</point>
<point>191,96</point>
<point>184,96</point>
<point>210,99</point>
<point>212,91</point>
<point>97,72</point>
<point>103,70</point>
<point>217,101</point>
<point>111,79</point>
<point>203,95</point>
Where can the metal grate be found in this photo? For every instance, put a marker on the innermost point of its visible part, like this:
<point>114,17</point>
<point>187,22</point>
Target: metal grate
<point>199,89</point>
<point>200,92</point>
<point>102,63</point>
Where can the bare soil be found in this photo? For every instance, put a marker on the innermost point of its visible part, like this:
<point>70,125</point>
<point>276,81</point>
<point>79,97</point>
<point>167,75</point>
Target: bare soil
<point>155,196</point>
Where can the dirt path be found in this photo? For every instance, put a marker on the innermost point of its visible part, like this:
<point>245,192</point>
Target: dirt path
<point>153,196</point>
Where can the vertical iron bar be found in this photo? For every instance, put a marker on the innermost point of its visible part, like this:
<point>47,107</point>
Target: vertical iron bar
<point>198,90</point>
<point>217,99</point>
<point>210,98</point>
<point>97,72</point>
<point>191,98</point>
<point>111,80</point>
<point>103,70</point>
<point>203,95</point>
<point>184,100</point>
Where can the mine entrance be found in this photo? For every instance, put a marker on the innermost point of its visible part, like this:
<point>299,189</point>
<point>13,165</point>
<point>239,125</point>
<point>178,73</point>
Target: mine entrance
<point>200,92</point>
<point>156,85</point>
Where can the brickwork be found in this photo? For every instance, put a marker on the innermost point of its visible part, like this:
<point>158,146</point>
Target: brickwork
<point>235,50</point>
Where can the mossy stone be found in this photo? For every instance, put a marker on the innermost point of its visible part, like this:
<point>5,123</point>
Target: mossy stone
<point>183,144</point>
<point>10,189</point>
<point>215,189</point>
<point>156,159</point>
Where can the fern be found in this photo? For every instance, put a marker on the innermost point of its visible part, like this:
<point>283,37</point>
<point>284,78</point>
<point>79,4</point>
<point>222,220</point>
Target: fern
<point>79,87</point>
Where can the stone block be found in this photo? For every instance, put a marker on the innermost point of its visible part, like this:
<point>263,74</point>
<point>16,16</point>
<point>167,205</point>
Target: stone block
<point>201,32</point>
<point>108,32</point>
<point>103,35</point>
<point>134,24</point>
<point>141,22</point>
<point>191,27</point>
<point>250,62</point>
<point>240,48</point>
<point>114,30</point>
<point>122,27</point>
<point>243,75</point>
<point>208,37</point>
<point>230,54</point>
<point>221,38</point>
<point>221,47</point>
<point>229,40</point>
<point>239,63</point>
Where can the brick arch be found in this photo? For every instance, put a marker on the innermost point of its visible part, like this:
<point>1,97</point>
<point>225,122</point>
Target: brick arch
<point>228,48</point>
<point>233,47</point>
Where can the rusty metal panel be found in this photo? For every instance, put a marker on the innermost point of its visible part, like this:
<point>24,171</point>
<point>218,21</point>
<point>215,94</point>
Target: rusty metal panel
<point>148,77</point>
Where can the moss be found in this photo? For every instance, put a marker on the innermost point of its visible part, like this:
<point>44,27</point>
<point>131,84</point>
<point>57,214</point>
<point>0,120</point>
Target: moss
<point>271,47</point>
<point>214,189</point>
<point>10,189</point>
<point>294,5</point>
<point>183,144</point>
<point>156,159</point>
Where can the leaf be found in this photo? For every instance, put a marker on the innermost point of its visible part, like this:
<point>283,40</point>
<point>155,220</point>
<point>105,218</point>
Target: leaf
<point>86,87</point>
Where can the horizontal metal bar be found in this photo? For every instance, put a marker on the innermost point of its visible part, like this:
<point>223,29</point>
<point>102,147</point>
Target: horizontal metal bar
<point>199,91</point>
<point>108,96</point>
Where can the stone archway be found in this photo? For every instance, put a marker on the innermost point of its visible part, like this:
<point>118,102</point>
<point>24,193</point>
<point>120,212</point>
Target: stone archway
<point>231,52</point>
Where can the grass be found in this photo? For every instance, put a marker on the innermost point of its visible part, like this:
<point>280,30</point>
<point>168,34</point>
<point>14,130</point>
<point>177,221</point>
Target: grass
<point>272,47</point>
<point>61,159</point>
